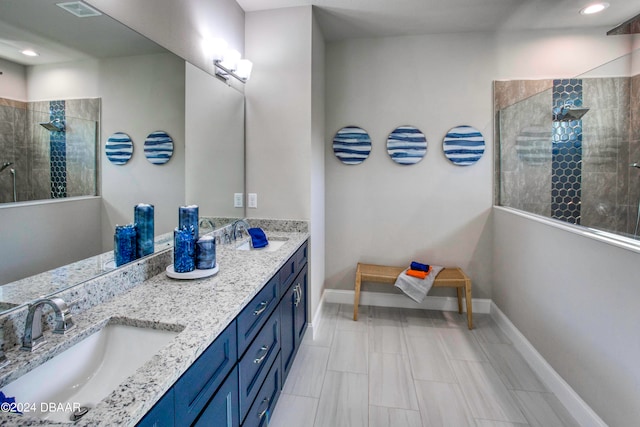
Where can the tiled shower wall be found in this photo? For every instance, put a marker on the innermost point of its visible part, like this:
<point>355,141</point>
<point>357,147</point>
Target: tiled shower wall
<point>28,145</point>
<point>608,188</point>
<point>13,118</point>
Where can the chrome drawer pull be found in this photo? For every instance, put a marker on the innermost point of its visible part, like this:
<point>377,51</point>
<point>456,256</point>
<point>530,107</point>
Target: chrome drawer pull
<point>262,414</point>
<point>264,348</point>
<point>263,307</point>
<point>298,292</point>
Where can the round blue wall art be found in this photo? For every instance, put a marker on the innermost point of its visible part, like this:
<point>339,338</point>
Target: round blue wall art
<point>352,145</point>
<point>406,145</point>
<point>119,148</point>
<point>463,145</point>
<point>158,147</point>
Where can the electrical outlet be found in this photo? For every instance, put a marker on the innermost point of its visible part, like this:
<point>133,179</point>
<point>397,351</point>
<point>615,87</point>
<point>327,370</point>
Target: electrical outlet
<point>253,200</point>
<point>237,200</point>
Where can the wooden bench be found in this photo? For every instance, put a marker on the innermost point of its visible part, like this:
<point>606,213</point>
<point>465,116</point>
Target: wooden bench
<point>450,277</point>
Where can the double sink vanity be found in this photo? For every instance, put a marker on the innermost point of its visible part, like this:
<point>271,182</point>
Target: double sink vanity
<point>167,352</point>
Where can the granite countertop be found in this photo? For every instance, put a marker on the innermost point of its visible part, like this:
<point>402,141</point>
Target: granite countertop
<point>200,309</point>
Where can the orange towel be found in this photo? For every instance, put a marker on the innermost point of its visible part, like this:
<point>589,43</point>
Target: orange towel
<point>417,273</point>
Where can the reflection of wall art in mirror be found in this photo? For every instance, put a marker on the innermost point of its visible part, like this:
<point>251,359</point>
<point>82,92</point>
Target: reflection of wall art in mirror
<point>352,145</point>
<point>406,145</point>
<point>158,147</point>
<point>463,145</point>
<point>119,148</point>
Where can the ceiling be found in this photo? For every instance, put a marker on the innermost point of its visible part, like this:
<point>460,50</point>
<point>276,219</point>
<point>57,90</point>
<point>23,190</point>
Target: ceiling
<point>343,19</point>
<point>60,36</point>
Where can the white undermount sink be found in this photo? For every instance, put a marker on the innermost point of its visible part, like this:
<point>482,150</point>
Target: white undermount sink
<point>88,371</point>
<point>273,246</point>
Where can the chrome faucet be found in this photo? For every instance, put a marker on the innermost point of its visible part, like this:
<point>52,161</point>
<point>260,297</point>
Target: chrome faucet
<point>208,223</point>
<point>237,226</point>
<point>33,337</point>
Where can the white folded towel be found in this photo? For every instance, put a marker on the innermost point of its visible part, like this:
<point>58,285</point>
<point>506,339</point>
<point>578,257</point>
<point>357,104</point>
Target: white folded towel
<point>416,288</point>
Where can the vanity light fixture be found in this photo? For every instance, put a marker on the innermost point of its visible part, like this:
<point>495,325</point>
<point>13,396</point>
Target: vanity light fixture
<point>29,52</point>
<point>594,8</point>
<point>228,62</point>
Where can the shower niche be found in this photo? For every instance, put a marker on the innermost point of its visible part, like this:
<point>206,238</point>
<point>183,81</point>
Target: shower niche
<point>565,148</point>
<point>51,147</point>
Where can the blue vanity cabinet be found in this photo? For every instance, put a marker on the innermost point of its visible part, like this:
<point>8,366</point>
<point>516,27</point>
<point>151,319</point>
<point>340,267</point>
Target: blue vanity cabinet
<point>238,378</point>
<point>195,388</point>
<point>222,409</point>
<point>162,414</point>
<point>260,412</point>
<point>293,316</point>
<point>256,313</point>
<point>254,366</point>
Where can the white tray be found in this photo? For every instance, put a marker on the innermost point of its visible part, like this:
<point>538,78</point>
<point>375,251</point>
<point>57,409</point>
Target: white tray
<point>195,274</point>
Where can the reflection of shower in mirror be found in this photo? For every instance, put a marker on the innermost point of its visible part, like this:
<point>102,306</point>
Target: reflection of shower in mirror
<point>56,125</point>
<point>5,165</point>
<point>12,171</point>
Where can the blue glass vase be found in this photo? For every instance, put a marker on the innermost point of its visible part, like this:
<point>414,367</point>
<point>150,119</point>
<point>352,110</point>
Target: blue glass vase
<point>205,253</point>
<point>143,218</point>
<point>184,250</point>
<point>124,244</point>
<point>188,217</point>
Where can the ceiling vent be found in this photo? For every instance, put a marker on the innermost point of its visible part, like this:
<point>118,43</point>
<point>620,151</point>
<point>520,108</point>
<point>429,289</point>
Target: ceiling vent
<point>79,9</point>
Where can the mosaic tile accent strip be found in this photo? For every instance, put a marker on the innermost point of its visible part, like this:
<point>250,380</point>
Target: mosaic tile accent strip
<point>566,166</point>
<point>158,147</point>
<point>58,152</point>
<point>352,145</point>
<point>463,145</point>
<point>406,145</point>
<point>119,148</point>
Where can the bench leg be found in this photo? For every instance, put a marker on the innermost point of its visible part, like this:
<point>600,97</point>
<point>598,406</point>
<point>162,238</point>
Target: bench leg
<point>356,300</point>
<point>459,292</point>
<point>467,290</point>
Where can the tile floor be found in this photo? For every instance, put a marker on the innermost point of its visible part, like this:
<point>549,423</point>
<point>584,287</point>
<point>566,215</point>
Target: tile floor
<point>399,367</point>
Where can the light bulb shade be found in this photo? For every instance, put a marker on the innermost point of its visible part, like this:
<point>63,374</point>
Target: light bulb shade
<point>244,69</point>
<point>217,48</point>
<point>230,59</point>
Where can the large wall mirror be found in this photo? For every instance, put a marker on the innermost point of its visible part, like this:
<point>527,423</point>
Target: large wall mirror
<point>94,77</point>
<point>569,148</point>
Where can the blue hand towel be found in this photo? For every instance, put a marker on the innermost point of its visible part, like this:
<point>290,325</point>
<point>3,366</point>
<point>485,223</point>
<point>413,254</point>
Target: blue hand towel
<point>420,267</point>
<point>258,238</point>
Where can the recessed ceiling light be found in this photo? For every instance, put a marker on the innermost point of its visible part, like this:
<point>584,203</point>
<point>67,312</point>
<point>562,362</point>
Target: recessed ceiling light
<point>30,52</point>
<point>594,8</point>
<point>79,9</point>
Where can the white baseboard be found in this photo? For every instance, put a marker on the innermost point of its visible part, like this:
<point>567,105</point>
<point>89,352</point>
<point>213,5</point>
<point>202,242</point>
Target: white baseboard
<point>401,301</point>
<point>314,327</point>
<point>583,414</point>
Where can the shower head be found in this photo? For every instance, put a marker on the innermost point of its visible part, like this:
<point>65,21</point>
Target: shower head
<point>5,165</point>
<point>56,125</point>
<point>569,113</point>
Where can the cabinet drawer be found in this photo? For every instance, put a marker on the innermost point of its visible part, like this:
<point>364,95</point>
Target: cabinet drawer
<point>266,399</point>
<point>162,414</point>
<point>287,273</point>
<point>194,389</point>
<point>302,255</point>
<point>290,269</point>
<point>256,313</point>
<point>222,409</point>
<point>255,364</point>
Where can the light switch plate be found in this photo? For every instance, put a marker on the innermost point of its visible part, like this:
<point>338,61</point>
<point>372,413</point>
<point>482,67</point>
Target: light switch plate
<point>253,200</point>
<point>237,200</point>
